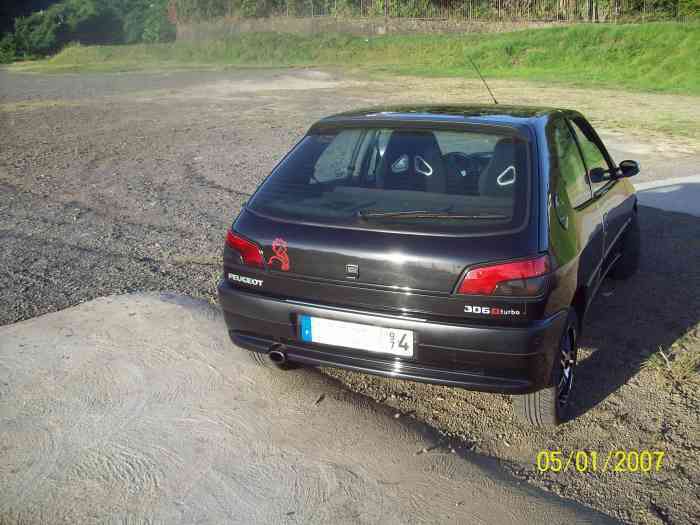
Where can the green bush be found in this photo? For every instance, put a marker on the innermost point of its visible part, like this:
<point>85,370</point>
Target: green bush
<point>146,21</point>
<point>38,32</point>
<point>92,22</point>
<point>689,8</point>
<point>133,14</point>
<point>7,49</point>
<point>156,26</point>
<point>87,21</point>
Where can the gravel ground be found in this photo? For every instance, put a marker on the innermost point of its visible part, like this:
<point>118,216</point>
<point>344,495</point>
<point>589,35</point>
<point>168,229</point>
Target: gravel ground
<point>127,182</point>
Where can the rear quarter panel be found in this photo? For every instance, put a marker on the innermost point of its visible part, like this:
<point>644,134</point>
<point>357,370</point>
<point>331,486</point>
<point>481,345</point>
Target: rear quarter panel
<point>576,249</point>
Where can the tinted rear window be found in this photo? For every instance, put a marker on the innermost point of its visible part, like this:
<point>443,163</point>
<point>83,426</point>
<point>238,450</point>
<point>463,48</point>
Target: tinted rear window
<point>350,177</point>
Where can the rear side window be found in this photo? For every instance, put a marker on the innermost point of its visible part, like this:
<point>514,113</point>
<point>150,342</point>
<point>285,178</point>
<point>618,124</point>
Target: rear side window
<point>457,181</point>
<point>571,168</point>
<point>334,161</point>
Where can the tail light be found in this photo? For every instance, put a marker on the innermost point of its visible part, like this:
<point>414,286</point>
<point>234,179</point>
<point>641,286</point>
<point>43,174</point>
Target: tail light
<point>250,253</point>
<point>518,278</point>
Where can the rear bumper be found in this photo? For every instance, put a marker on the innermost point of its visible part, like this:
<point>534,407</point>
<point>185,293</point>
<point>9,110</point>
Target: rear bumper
<point>476,357</point>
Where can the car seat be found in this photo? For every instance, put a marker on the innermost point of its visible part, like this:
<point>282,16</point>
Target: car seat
<point>500,175</point>
<point>413,161</point>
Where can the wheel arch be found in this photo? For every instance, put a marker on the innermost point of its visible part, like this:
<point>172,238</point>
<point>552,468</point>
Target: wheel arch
<point>580,305</point>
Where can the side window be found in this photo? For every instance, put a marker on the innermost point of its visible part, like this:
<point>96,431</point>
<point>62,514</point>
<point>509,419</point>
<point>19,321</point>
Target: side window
<point>592,154</point>
<point>571,168</point>
<point>336,160</point>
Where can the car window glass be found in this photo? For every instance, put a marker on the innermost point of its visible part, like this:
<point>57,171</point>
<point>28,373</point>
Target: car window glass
<point>330,177</point>
<point>592,154</point>
<point>336,160</point>
<point>455,142</point>
<point>571,167</point>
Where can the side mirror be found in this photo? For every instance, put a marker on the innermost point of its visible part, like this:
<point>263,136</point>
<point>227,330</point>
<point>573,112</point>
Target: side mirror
<point>628,168</point>
<point>598,175</point>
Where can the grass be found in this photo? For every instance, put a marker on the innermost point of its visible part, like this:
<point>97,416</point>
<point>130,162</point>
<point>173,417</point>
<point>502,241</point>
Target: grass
<point>681,361</point>
<point>647,57</point>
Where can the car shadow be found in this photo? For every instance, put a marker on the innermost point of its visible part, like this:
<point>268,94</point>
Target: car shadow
<point>630,321</point>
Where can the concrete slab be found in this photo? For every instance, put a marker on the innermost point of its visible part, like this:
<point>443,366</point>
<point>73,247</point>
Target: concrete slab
<point>137,408</point>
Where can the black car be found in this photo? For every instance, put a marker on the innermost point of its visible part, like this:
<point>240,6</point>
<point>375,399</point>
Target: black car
<point>457,245</point>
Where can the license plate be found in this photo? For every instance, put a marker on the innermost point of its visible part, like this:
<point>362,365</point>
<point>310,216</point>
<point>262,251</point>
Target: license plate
<point>360,336</point>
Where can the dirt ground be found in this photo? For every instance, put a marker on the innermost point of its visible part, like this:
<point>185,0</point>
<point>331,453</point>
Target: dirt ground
<point>127,182</point>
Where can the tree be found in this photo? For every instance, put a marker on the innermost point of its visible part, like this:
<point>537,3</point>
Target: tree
<point>91,22</point>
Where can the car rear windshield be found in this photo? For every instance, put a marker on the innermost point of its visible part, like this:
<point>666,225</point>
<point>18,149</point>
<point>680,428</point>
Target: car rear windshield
<point>417,180</point>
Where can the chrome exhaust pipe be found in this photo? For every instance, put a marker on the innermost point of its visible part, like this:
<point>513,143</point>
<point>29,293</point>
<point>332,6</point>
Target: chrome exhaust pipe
<point>277,356</point>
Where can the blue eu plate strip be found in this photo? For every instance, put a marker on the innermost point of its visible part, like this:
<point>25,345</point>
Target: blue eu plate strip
<point>305,322</point>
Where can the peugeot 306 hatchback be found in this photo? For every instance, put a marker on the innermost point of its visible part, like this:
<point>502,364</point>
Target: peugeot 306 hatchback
<point>452,245</point>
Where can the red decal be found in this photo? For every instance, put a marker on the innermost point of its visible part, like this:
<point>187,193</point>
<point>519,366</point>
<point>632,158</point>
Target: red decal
<point>279,246</point>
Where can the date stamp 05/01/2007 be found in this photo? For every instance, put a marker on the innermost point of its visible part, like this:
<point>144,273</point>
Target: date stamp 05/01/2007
<point>629,461</point>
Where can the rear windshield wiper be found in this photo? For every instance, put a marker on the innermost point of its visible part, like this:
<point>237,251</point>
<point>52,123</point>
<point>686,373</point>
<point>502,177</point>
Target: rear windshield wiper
<point>426,214</point>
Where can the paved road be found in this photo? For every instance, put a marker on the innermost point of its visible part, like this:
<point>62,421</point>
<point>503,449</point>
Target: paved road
<point>680,194</point>
<point>137,407</point>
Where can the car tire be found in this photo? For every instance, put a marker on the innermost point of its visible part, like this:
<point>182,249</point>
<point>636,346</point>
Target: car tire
<point>260,359</point>
<point>550,406</point>
<point>630,250</point>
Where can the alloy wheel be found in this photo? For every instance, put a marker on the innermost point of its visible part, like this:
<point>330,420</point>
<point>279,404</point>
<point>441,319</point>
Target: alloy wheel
<point>567,356</point>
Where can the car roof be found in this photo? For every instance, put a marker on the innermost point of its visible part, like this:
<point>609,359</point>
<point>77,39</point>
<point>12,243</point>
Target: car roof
<point>494,114</point>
